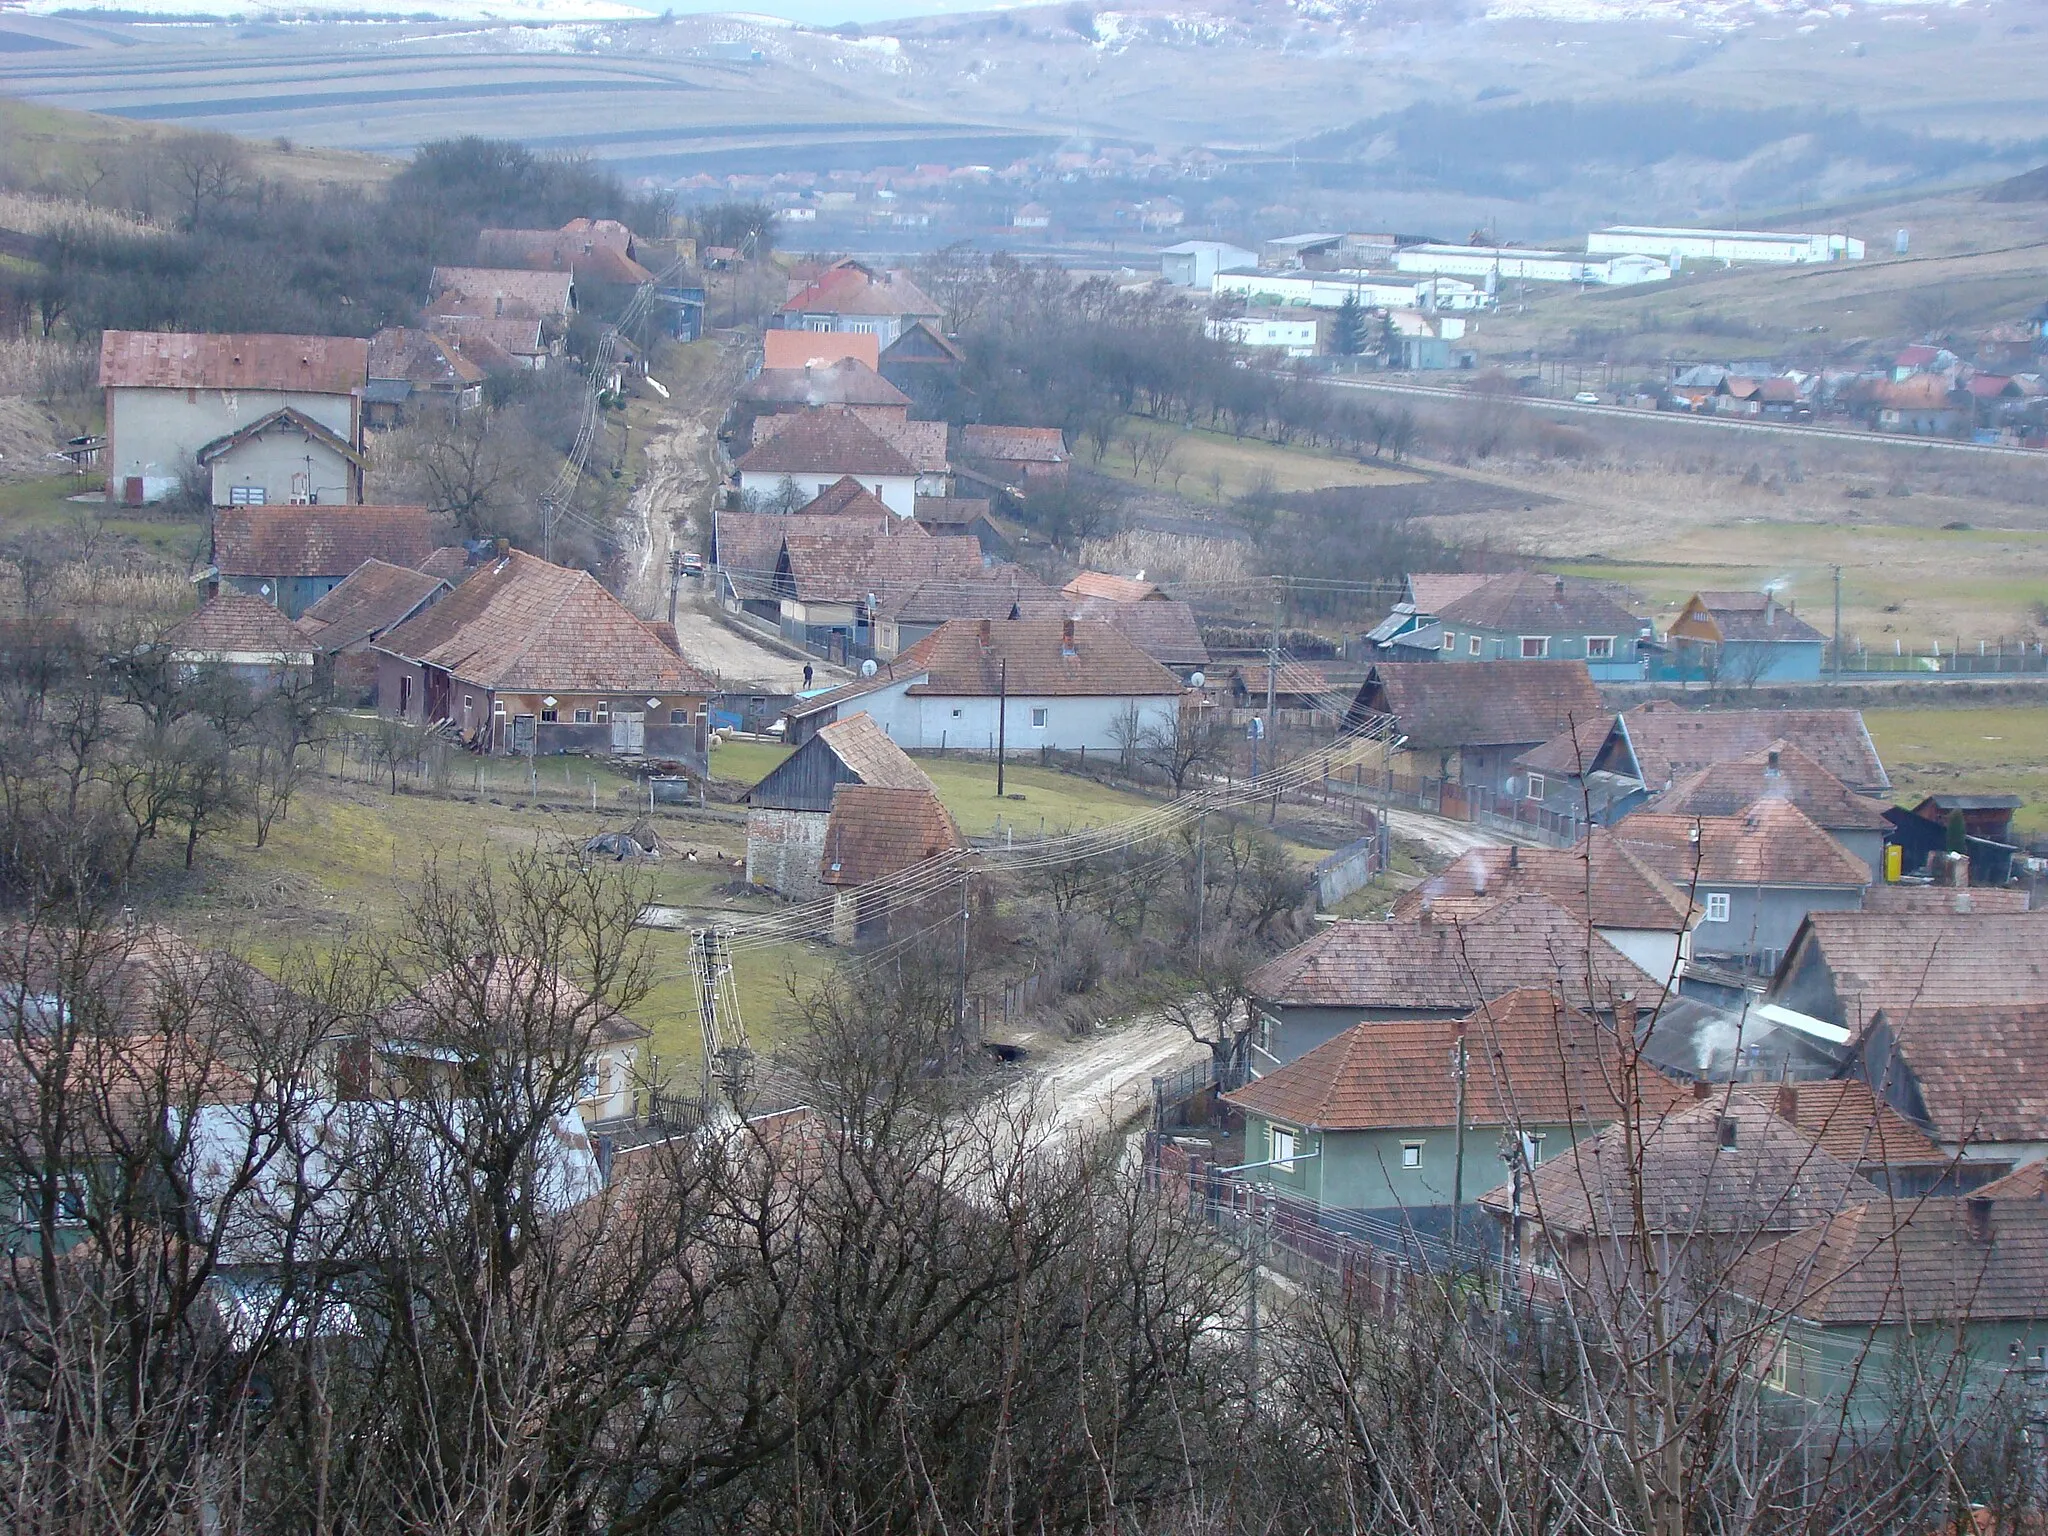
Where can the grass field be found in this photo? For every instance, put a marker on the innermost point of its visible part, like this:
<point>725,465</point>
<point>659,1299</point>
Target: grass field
<point>1213,466</point>
<point>745,762</point>
<point>46,504</point>
<point>1985,750</point>
<point>1036,799</point>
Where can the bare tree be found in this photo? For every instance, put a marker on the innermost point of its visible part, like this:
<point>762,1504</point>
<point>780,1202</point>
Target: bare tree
<point>1180,748</point>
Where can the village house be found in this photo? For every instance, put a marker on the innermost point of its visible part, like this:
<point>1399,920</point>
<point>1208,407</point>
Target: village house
<point>925,365</point>
<point>847,382</point>
<point>1842,968</point>
<point>293,556</point>
<point>1954,1286</point>
<point>1923,834</point>
<point>810,450</point>
<point>746,548</point>
<point>498,293</point>
<point>967,517</point>
<point>1609,764</point>
<point>530,658</point>
<point>501,345</point>
<point>1020,683</point>
<point>593,251</point>
<point>1352,971</point>
<point>1618,895</point>
<point>839,589</point>
<point>1530,616</point>
<point>848,296</point>
<point>266,418</point>
<point>1481,718</point>
<point>905,614</point>
<point>1782,772</point>
<point>411,370</point>
<point>820,349</point>
<point>1744,638</point>
<point>498,1013</point>
<point>875,832</point>
<point>1369,1121</point>
<point>1023,458</point>
<point>1164,628</point>
<point>1969,1073</point>
<point>1755,875</point>
<point>788,810</point>
<point>246,637</point>
<point>371,600</point>
<point>1702,1186</point>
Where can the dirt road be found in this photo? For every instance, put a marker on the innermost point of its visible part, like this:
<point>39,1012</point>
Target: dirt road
<point>1103,1083</point>
<point>738,663</point>
<point>680,472</point>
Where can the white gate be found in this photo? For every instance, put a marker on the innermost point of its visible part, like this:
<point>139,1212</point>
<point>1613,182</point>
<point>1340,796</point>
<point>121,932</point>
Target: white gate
<point>629,734</point>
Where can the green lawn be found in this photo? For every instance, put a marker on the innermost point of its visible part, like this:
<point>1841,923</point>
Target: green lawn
<point>1986,750</point>
<point>46,504</point>
<point>746,762</point>
<point>1034,799</point>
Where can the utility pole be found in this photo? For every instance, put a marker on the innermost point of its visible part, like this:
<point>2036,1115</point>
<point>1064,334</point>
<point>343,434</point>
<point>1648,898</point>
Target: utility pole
<point>675,581</point>
<point>1273,685</point>
<point>1002,723</point>
<point>1201,877</point>
<point>960,981</point>
<point>1838,622</point>
<point>1458,1145</point>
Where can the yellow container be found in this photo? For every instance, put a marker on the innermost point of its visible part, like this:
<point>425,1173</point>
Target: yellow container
<point>1894,861</point>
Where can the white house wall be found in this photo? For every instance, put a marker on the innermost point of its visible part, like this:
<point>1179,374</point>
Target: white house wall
<point>896,492</point>
<point>155,434</point>
<point>285,466</point>
<point>1657,953</point>
<point>930,722</point>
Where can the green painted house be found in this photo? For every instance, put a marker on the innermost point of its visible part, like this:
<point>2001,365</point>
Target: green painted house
<point>1368,1121</point>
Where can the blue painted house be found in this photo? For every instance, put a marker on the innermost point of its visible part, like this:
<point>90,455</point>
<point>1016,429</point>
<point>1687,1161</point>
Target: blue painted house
<point>292,556</point>
<point>1743,638</point>
<point>1532,616</point>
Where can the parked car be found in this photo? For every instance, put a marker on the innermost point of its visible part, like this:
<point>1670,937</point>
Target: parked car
<point>1586,397</point>
<point>693,565</point>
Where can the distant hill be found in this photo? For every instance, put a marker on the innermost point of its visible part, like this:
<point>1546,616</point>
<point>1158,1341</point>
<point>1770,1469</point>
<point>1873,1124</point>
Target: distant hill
<point>2027,187</point>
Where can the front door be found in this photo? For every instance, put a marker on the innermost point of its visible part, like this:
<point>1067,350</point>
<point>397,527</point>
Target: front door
<point>629,733</point>
<point>522,734</point>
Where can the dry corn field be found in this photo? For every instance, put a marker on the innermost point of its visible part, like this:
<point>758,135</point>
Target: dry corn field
<point>31,215</point>
<point>1172,559</point>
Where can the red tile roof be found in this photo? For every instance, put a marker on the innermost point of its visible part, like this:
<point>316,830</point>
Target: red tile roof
<point>1111,589</point>
<point>311,365</point>
<point>1981,1070</point>
<point>1432,590</point>
<point>1750,617</point>
<point>1045,660</point>
<point>233,626</point>
<point>318,541</point>
<point>845,382</point>
<point>1913,960</point>
<point>1014,445</point>
<point>1600,881</point>
<point>1770,843</point>
<point>1724,789</point>
<point>1531,1060</point>
<point>851,290</point>
<point>1668,741</point>
<point>1481,703</point>
<point>845,497</point>
<point>512,994</point>
<point>500,292</point>
<point>1532,602</point>
<point>822,563</point>
<point>797,349</point>
<point>1165,631</point>
<point>831,440</point>
<point>1931,1261</point>
<point>1852,1123</point>
<point>871,756</point>
<point>524,625</point>
<point>420,357</point>
<point>1525,940</point>
<point>1688,1179</point>
<point>876,830</point>
<point>372,599</point>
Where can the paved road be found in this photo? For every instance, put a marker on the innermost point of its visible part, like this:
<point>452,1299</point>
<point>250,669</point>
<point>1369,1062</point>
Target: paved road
<point>1720,423</point>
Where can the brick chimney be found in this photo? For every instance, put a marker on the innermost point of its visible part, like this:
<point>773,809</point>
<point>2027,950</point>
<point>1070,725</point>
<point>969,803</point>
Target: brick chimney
<point>987,638</point>
<point>1067,637</point>
<point>1787,1104</point>
<point>1977,1219</point>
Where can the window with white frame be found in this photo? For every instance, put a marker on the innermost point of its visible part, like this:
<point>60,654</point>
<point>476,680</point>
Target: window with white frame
<point>1599,647</point>
<point>1038,719</point>
<point>1535,647</point>
<point>1476,646</point>
<point>1411,1155</point>
<point>1282,1143</point>
<point>583,717</point>
<point>248,496</point>
<point>1538,787</point>
<point>1717,906</point>
<point>1450,641</point>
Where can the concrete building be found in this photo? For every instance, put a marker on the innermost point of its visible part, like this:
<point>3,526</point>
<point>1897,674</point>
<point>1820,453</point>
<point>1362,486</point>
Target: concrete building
<point>1677,245</point>
<point>270,419</point>
<point>1329,290</point>
<point>1195,263</point>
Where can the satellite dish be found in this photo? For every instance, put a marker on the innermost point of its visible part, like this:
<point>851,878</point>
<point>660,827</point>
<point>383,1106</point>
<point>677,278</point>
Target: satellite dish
<point>1197,679</point>
<point>867,668</point>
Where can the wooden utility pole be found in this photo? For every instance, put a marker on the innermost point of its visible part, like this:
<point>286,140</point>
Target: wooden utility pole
<point>1458,1144</point>
<point>1273,687</point>
<point>675,581</point>
<point>960,981</point>
<point>1838,623</point>
<point>1002,722</point>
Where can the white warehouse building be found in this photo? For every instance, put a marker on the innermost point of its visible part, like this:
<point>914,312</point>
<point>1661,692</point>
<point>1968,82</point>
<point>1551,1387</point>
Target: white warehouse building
<point>1329,290</point>
<point>1195,263</point>
<point>1297,337</point>
<point>1723,245</point>
<point>1504,263</point>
